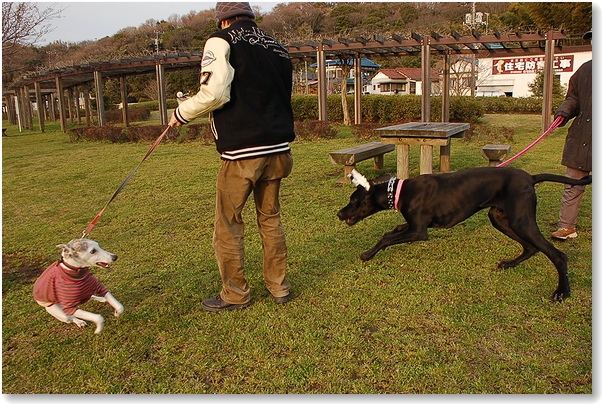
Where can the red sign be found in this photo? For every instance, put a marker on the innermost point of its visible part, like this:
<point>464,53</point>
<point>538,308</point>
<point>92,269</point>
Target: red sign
<point>531,64</point>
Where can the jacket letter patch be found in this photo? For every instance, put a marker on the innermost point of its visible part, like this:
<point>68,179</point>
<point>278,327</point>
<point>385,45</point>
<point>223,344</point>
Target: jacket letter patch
<point>208,58</point>
<point>205,76</point>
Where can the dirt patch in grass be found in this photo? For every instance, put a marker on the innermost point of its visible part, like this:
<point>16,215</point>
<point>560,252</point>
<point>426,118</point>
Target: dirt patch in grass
<point>18,269</point>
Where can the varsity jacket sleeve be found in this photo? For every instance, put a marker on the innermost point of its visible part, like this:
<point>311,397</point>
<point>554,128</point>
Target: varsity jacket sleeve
<point>216,78</point>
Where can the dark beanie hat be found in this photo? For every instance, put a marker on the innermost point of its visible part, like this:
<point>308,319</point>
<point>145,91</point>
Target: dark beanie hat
<point>227,9</point>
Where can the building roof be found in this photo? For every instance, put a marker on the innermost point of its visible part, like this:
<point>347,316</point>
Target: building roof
<point>411,73</point>
<point>365,63</point>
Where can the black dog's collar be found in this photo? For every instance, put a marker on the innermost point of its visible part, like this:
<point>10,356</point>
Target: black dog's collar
<point>390,193</point>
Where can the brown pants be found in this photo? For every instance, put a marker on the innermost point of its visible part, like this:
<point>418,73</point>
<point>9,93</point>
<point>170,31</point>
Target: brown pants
<point>571,198</point>
<point>235,182</point>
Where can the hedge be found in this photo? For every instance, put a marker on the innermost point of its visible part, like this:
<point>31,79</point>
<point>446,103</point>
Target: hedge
<point>400,108</point>
<point>135,114</point>
<point>305,130</point>
<point>149,133</point>
<point>405,108</point>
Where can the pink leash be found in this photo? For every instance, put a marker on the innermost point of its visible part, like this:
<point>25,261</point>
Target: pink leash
<point>553,126</point>
<point>95,220</point>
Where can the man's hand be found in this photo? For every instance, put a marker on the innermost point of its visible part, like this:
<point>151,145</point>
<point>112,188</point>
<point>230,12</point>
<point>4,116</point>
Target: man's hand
<point>173,122</point>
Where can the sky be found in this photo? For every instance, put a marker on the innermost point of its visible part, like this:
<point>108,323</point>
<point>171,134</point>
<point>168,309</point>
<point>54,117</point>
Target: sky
<point>81,20</point>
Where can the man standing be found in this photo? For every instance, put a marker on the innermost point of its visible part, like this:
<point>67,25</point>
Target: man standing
<point>577,154</point>
<point>245,86</point>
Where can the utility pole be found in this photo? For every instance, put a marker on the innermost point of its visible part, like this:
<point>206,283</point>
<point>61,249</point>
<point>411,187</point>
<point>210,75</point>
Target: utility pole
<point>157,41</point>
<point>473,20</point>
<point>473,78</point>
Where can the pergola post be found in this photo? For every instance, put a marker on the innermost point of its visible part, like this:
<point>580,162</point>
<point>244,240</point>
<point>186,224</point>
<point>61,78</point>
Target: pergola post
<point>445,89</point>
<point>27,109</point>
<point>100,103</point>
<point>70,104</point>
<point>10,109</point>
<point>124,101</point>
<point>87,106</point>
<point>75,99</point>
<point>61,99</point>
<point>357,87</point>
<point>426,80</point>
<point>548,82</point>
<point>322,90</point>
<point>161,89</point>
<point>52,106</point>
<point>41,105</point>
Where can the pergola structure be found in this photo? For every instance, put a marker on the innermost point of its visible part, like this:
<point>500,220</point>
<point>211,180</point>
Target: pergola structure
<point>55,82</point>
<point>515,45</point>
<point>52,85</point>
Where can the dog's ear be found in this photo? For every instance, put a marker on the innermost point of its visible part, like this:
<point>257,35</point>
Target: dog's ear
<point>358,179</point>
<point>67,251</point>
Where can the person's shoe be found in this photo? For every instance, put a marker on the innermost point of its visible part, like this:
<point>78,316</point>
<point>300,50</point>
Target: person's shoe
<point>563,234</point>
<point>216,303</point>
<point>283,299</point>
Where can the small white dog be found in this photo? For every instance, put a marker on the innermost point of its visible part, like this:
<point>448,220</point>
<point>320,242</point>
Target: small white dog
<point>67,283</point>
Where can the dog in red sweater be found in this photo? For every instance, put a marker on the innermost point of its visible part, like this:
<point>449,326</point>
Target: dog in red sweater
<point>67,283</point>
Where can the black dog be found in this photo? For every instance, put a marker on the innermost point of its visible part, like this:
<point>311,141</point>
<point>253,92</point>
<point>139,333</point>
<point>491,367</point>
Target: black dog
<point>444,200</point>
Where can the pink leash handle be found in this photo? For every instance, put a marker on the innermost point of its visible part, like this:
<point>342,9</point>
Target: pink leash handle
<point>553,126</point>
<point>120,188</point>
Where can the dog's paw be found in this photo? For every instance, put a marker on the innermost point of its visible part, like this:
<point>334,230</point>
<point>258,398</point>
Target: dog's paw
<point>99,325</point>
<point>560,295</point>
<point>79,322</point>
<point>118,311</point>
<point>507,264</point>
<point>367,256</point>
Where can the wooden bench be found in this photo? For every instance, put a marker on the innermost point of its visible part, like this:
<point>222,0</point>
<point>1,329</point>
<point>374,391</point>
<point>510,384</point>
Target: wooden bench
<point>495,153</point>
<point>351,156</point>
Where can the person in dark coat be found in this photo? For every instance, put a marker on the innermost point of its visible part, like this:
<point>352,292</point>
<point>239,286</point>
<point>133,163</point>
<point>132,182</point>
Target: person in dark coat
<point>577,154</point>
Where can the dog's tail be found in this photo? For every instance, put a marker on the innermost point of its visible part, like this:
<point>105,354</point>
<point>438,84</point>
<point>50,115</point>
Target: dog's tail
<point>562,179</point>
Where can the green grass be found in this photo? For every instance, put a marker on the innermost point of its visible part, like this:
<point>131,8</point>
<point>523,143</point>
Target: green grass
<point>425,317</point>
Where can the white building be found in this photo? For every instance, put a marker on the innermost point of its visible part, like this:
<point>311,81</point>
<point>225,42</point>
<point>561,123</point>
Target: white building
<point>495,76</point>
<point>512,75</point>
<point>401,80</point>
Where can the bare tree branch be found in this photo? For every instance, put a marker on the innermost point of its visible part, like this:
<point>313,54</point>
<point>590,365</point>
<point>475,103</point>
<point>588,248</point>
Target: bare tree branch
<point>24,24</point>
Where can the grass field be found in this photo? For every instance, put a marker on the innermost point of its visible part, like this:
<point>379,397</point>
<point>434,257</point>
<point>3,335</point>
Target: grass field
<point>426,317</point>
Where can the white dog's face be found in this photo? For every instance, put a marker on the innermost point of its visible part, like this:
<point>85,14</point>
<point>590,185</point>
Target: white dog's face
<point>86,253</point>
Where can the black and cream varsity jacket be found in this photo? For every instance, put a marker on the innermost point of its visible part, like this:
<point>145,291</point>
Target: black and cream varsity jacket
<point>245,86</point>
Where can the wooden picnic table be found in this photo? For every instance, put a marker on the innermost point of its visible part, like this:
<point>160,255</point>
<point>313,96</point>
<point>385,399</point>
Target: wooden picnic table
<point>426,135</point>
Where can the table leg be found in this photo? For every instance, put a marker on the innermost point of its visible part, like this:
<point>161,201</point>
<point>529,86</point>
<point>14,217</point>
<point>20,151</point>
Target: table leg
<point>403,161</point>
<point>444,158</point>
<point>426,159</point>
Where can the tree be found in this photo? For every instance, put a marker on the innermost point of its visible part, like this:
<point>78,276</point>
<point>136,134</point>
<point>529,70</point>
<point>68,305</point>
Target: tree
<point>346,64</point>
<point>536,86</point>
<point>575,17</point>
<point>24,24</point>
